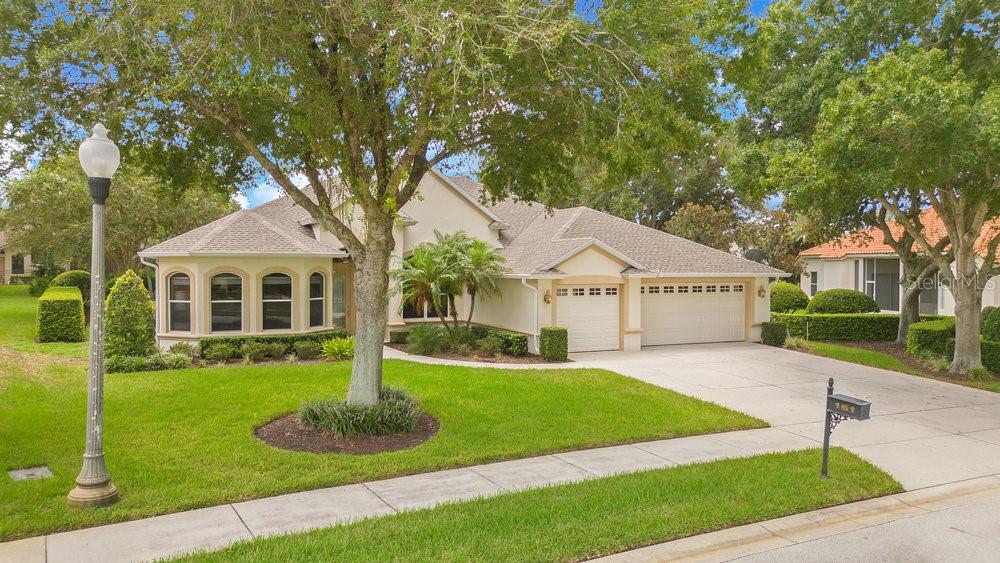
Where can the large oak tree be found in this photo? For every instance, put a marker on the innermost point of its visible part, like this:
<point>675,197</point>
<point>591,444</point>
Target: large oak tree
<point>363,97</point>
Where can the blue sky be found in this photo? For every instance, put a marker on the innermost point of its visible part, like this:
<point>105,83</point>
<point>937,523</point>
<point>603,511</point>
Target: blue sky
<point>266,190</point>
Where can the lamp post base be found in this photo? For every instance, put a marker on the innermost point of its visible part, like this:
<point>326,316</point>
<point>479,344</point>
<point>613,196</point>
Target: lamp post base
<point>91,497</point>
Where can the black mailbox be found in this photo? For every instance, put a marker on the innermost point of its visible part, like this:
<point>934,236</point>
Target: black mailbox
<point>848,406</point>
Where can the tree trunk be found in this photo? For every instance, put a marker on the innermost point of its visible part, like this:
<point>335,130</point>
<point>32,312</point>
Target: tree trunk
<point>454,310</point>
<point>371,299</point>
<point>909,312</point>
<point>472,307</point>
<point>968,294</point>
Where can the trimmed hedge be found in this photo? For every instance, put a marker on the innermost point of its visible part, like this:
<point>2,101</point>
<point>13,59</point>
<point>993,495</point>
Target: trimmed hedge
<point>129,318</point>
<point>152,362</point>
<point>514,343</point>
<point>843,301</point>
<point>289,340</point>
<point>787,297</point>
<point>554,343</point>
<point>773,333</point>
<point>990,324</point>
<point>839,326</point>
<point>991,355</point>
<point>930,337</point>
<point>398,336</point>
<point>60,315</point>
<point>79,279</point>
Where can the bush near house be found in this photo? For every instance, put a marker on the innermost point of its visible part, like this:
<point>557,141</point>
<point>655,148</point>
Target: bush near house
<point>308,349</point>
<point>989,349</point>
<point>773,333</point>
<point>930,337</point>
<point>514,343</point>
<point>220,352</point>
<point>288,340</point>
<point>990,324</point>
<point>129,318</point>
<point>839,326</point>
<point>79,279</point>
<point>257,351</point>
<point>152,362</point>
<point>787,297</point>
<point>339,348</point>
<point>398,336</point>
<point>425,339</point>
<point>554,343</point>
<point>60,315</point>
<point>841,300</point>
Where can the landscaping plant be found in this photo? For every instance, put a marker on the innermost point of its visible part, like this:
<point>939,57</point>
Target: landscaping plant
<point>554,343</point>
<point>339,348</point>
<point>396,411</point>
<point>219,352</point>
<point>184,348</point>
<point>79,279</point>
<point>308,349</point>
<point>841,300</point>
<point>491,346</point>
<point>129,318</point>
<point>773,333</point>
<point>60,315</point>
<point>990,326</point>
<point>424,339</point>
<point>787,297</point>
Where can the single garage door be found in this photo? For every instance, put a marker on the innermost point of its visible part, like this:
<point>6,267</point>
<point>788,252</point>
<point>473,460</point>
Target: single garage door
<point>590,315</point>
<point>692,312</point>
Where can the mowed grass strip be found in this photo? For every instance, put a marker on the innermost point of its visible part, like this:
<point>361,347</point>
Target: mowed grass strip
<point>588,519</point>
<point>176,440</point>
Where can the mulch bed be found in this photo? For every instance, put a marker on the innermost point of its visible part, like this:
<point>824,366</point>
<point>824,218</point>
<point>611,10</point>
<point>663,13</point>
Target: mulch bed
<point>503,359</point>
<point>286,433</point>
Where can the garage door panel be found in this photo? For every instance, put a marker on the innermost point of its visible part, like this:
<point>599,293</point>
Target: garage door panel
<point>590,315</point>
<point>692,313</point>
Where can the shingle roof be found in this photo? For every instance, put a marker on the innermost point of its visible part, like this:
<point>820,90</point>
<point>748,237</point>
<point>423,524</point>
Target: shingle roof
<point>533,238</point>
<point>272,228</point>
<point>871,241</point>
<point>536,238</point>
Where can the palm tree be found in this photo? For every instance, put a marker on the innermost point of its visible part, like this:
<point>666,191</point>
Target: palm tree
<point>452,249</point>
<point>482,267</point>
<point>425,279</point>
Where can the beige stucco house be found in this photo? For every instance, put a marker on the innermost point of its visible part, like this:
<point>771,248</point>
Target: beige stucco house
<point>613,283</point>
<point>15,264</point>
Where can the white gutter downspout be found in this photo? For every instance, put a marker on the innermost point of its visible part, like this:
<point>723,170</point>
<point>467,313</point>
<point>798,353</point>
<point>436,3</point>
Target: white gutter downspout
<point>534,326</point>
<point>156,289</point>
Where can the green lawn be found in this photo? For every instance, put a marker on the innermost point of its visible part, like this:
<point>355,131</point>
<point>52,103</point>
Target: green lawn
<point>882,360</point>
<point>183,439</point>
<point>18,329</point>
<point>588,519</point>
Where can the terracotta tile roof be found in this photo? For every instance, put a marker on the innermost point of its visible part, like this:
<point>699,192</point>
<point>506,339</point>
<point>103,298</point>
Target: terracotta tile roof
<point>871,241</point>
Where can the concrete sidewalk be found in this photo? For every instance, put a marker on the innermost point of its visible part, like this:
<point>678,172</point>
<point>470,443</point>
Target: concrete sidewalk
<point>954,522</point>
<point>219,526</point>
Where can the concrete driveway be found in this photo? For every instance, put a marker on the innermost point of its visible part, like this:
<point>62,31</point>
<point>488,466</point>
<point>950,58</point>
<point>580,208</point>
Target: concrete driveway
<point>924,432</point>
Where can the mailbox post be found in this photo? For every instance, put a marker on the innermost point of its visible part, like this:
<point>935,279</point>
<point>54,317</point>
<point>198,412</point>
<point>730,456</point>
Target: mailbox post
<point>838,409</point>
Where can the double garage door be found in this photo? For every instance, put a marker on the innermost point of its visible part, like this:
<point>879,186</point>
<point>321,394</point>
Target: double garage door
<point>671,314</point>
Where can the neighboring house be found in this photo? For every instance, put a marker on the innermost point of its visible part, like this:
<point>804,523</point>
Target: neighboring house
<point>15,265</point>
<point>863,261</point>
<point>613,283</point>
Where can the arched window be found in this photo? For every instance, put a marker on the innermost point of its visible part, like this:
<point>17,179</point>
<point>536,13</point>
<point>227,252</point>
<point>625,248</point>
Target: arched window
<point>179,303</point>
<point>227,303</point>
<point>316,306</point>
<point>276,295</point>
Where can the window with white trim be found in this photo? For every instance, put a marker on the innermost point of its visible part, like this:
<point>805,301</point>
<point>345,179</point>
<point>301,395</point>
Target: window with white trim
<point>578,292</point>
<point>179,303</point>
<point>724,288</point>
<point>276,298</point>
<point>696,289</point>
<point>562,292</point>
<point>738,288</point>
<point>654,289</point>
<point>611,291</point>
<point>317,299</point>
<point>668,289</point>
<point>710,289</point>
<point>227,303</point>
<point>595,291</point>
<point>682,289</point>
<point>642,289</point>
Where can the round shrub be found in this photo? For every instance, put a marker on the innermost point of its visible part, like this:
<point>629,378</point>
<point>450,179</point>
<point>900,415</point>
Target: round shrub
<point>491,346</point>
<point>990,327</point>
<point>773,334</point>
<point>308,349</point>
<point>183,348</point>
<point>396,411</point>
<point>79,279</point>
<point>424,339</point>
<point>842,301</point>
<point>787,297</point>
<point>554,343</point>
<point>219,352</point>
<point>129,317</point>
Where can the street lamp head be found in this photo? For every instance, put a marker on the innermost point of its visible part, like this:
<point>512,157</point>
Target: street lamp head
<point>98,155</point>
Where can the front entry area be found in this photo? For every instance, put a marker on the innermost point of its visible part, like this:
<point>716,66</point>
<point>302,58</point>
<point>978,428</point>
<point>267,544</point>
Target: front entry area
<point>590,315</point>
<point>688,313</point>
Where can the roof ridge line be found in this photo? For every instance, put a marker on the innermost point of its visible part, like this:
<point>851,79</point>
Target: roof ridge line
<point>577,211</point>
<point>223,223</point>
<point>274,229</point>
